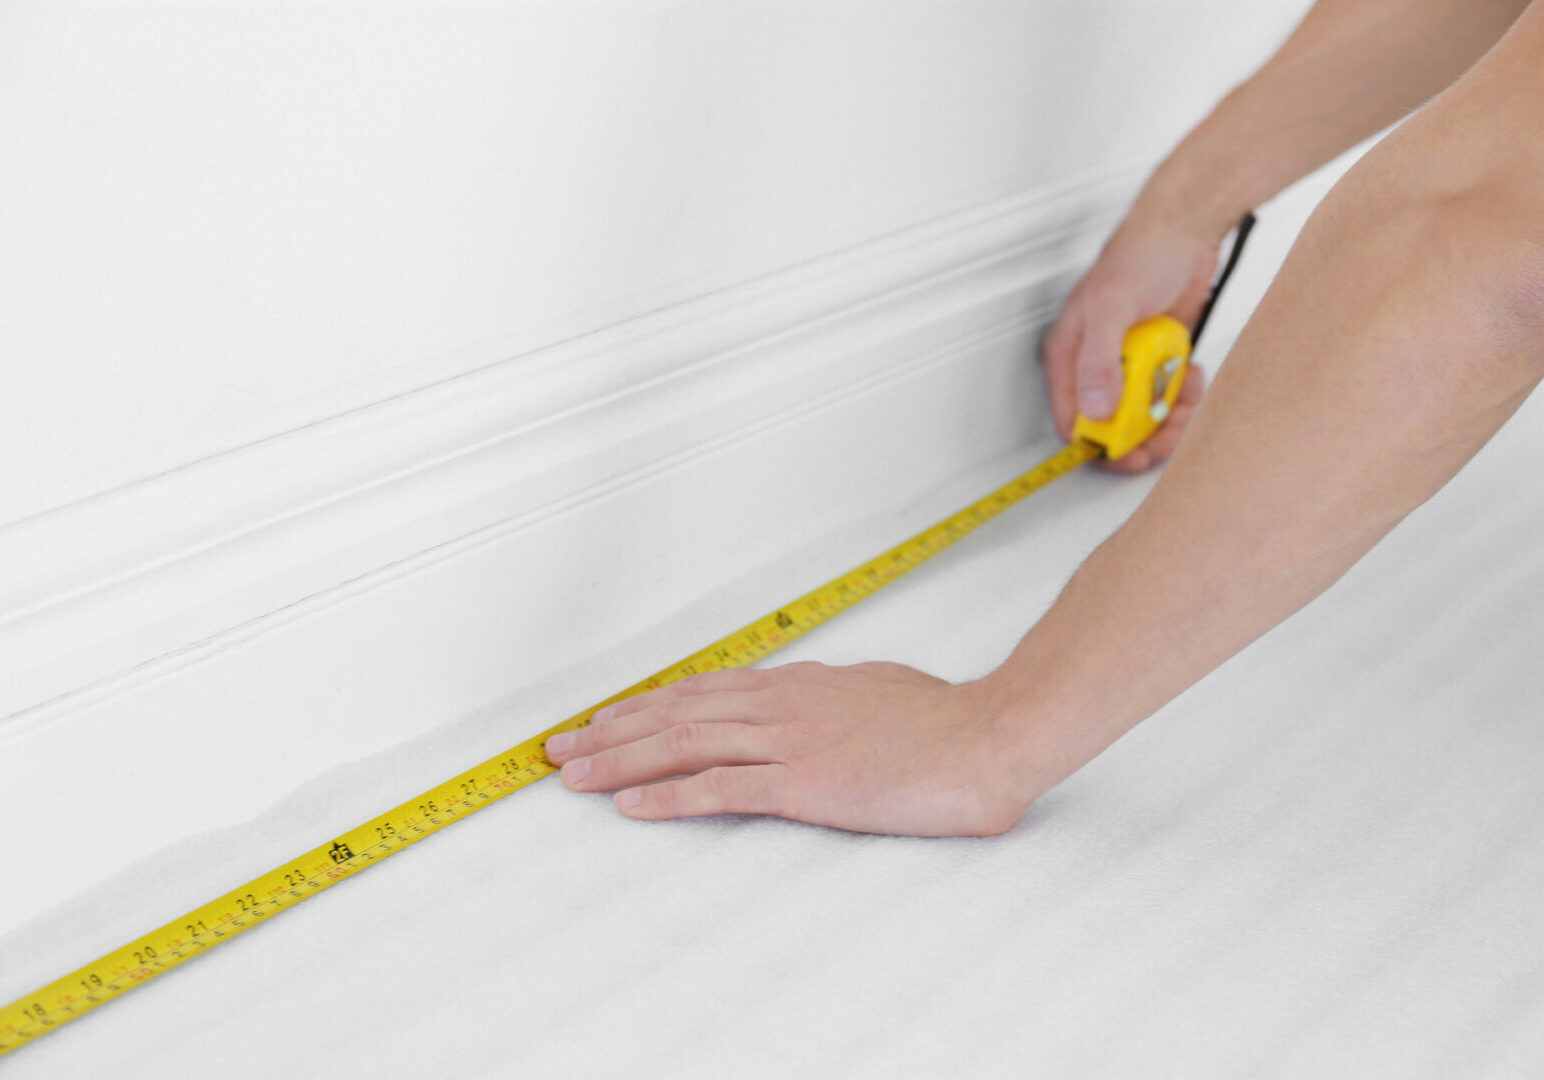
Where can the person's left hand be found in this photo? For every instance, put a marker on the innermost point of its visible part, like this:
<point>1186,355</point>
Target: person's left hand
<point>878,748</point>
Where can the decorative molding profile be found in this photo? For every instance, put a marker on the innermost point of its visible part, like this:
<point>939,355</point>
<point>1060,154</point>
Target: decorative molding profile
<point>110,585</point>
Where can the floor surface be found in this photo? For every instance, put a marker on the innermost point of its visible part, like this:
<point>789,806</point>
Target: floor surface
<point>1324,860</point>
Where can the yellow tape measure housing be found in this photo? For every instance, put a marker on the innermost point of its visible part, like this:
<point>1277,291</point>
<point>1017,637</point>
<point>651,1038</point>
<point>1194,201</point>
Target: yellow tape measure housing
<point>1154,356</point>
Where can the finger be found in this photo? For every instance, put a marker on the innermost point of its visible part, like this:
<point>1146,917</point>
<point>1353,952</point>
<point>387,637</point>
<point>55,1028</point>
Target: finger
<point>1135,461</point>
<point>1098,368</point>
<point>641,723</point>
<point>1192,388</point>
<point>743,789</point>
<point>681,748</point>
<point>708,682</point>
<point>1162,445</point>
<point>1058,355</point>
<point>1157,449</point>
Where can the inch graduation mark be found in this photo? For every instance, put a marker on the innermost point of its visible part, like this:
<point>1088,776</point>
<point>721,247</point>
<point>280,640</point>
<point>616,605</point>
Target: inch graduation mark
<point>301,878</point>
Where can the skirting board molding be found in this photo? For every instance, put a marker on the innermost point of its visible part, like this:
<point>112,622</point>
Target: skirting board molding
<point>97,589</point>
<point>511,520</point>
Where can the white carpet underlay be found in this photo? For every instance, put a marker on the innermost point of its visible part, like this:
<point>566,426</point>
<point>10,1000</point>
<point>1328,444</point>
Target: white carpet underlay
<point>1324,860</point>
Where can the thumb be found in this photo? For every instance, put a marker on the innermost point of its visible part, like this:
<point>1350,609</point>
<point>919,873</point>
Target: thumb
<point>1099,374</point>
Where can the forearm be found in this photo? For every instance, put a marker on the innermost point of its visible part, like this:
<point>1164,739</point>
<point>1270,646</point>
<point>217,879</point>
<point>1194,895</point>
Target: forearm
<point>1405,327</point>
<point>1351,68</point>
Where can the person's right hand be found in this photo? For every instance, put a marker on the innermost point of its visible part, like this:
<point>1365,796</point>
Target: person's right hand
<point>1145,269</point>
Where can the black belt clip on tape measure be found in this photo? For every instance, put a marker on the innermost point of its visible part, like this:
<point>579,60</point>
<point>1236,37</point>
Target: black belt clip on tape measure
<point>1154,357</point>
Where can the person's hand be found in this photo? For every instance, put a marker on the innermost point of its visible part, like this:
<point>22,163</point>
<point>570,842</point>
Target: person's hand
<point>878,748</point>
<point>1144,270</point>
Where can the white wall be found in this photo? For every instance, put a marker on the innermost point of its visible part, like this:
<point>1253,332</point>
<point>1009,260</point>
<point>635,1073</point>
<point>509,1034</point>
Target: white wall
<point>223,221</point>
<point>361,363</point>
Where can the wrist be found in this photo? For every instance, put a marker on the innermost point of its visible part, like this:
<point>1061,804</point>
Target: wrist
<point>1221,170</point>
<point>1179,197</point>
<point>1201,197</point>
<point>1039,732</point>
<point>1068,690</point>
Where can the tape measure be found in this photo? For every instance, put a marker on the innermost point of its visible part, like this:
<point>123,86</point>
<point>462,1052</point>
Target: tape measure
<point>1155,354</point>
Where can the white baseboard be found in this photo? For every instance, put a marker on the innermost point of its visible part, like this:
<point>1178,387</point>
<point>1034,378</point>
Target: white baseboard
<point>213,637</point>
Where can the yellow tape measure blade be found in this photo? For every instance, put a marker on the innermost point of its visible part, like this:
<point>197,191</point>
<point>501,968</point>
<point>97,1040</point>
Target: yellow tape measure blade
<point>255,902</point>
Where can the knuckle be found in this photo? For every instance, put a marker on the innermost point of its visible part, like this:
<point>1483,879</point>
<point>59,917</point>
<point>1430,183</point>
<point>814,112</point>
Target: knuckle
<point>719,783</point>
<point>793,700</point>
<point>683,739</point>
<point>662,692</point>
<point>757,795</point>
<point>628,705</point>
<point>882,667</point>
<point>757,706</point>
<point>1099,369</point>
<point>1107,300</point>
<point>662,798</point>
<point>803,694</point>
<point>1059,338</point>
<point>1094,293</point>
<point>700,683</point>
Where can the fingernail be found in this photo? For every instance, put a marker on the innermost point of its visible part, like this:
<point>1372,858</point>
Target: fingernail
<point>602,715</point>
<point>628,798</point>
<point>576,770</point>
<point>561,743</point>
<point>1095,404</point>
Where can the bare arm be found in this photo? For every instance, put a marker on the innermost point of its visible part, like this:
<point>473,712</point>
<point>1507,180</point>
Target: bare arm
<point>1405,327</point>
<point>1351,68</point>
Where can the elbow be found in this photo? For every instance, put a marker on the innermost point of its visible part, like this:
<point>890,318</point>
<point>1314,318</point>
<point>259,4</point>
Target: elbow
<point>1442,226</point>
<point>1507,292</point>
<point>1491,238</point>
<point>1484,247</point>
<point>1484,267</point>
<point>1520,305</point>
